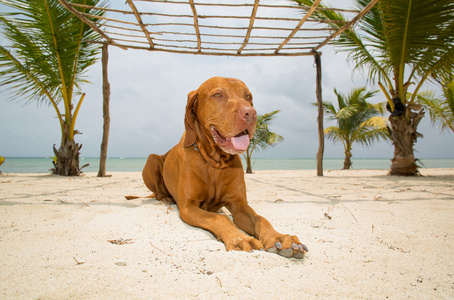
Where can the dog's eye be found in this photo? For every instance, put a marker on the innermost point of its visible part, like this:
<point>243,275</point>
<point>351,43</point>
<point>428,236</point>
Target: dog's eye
<point>217,95</point>
<point>248,97</point>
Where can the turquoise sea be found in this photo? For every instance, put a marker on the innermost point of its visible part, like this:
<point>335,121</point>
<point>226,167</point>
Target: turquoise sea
<point>120,164</point>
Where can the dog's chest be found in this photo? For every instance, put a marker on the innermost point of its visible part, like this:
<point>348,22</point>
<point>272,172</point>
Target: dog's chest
<point>222,187</point>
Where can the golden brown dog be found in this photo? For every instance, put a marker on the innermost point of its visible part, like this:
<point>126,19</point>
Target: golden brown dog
<point>203,172</point>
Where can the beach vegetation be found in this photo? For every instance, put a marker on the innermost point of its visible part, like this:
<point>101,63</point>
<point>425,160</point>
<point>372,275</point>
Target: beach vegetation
<point>45,53</point>
<point>358,121</point>
<point>399,44</point>
<point>2,159</point>
<point>441,109</point>
<point>262,139</point>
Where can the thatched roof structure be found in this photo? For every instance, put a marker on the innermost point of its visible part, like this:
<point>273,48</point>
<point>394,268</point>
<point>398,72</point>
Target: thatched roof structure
<point>222,28</point>
<point>227,27</point>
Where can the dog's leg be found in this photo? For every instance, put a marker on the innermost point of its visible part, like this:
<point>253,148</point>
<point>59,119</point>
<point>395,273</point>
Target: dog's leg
<point>221,226</point>
<point>152,177</point>
<point>250,222</point>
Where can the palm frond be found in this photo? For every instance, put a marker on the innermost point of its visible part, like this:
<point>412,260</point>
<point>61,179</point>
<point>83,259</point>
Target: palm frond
<point>449,96</point>
<point>357,120</point>
<point>376,122</point>
<point>333,133</point>
<point>369,135</point>
<point>51,45</point>
<point>347,112</point>
<point>329,110</point>
<point>25,67</point>
<point>395,37</point>
<point>266,118</point>
<point>263,137</point>
<point>441,111</point>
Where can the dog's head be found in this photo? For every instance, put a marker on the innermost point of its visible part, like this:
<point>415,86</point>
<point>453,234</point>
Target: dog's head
<point>220,112</point>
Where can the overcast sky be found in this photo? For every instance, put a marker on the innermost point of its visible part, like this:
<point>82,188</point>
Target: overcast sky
<point>149,93</point>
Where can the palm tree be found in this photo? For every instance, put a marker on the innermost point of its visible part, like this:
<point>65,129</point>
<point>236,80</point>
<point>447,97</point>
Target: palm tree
<point>400,43</point>
<point>441,110</point>
<point>263,138</point>
<point>356,121</point>
<point>2,159</point>
<point>49,50</point>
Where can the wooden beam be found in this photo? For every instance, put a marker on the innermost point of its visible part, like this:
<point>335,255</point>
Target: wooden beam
<point>90,23</point>
<point>105,112</point>
<point>343,28</point>
<point>251,25</point>
<point>139,21</point>
<point>321,133</point>
<point>196,25</point>
<point>290,6</point>
<point>297,28</point>
<point>220,52</point>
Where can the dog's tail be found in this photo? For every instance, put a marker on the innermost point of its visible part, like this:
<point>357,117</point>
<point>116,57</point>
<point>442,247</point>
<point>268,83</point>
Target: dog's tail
<point>136,197</point>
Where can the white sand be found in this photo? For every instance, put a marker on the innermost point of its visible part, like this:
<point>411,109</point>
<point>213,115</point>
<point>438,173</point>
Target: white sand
<point>369,236</point>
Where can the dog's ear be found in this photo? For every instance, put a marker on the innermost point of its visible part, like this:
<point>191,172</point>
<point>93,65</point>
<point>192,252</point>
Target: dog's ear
<point>190,118</point>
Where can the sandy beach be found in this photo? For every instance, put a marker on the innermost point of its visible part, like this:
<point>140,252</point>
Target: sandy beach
<point>370,236</point>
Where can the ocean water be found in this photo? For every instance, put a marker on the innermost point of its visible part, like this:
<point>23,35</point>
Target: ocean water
<point>43,164</point>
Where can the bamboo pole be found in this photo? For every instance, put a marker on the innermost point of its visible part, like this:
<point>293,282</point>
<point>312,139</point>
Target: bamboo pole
<point>105,112</point>
<point>125,12</point>
<point>196,25</point>
<point>140,22</point>
<point>89,23</point>
<point>298,27</point>
<point>251,25</point>
<point>218,52</point>
<point>290,6</point>
<point>321,134</point>
<point>349,24</point>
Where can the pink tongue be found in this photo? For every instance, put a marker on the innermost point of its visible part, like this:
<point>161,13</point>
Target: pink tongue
<point>240,142</point>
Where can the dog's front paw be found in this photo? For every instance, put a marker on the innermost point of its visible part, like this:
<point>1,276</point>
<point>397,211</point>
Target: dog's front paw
<point>243,242</point>
<point>287,246</point>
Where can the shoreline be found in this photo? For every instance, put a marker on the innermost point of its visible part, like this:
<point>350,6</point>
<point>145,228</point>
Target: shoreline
<point>369,235</point>
<point>423,172</point>
<point>42,165</point>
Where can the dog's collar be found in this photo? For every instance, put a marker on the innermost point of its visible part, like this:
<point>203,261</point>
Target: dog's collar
<point>224,162</point>
<point>198,150</point>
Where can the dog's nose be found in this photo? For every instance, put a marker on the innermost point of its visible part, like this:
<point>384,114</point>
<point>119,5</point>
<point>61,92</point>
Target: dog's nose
<point>248,113</point>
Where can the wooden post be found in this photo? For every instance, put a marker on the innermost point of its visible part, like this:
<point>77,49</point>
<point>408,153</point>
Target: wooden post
<point>321,133</point>
<point>105,112</point>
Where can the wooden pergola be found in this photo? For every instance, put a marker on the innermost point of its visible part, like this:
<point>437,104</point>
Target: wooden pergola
<point>220,28</point>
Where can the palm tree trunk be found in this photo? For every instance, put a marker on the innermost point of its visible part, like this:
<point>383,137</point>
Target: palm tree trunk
<point>321,134</point>
<point>67,162</point>
<point>249,167</point>
<point>404,136</point>
<point>67,157</point>
<point>347,161</point>
<point>248,163</point>
<point>106,112</point>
